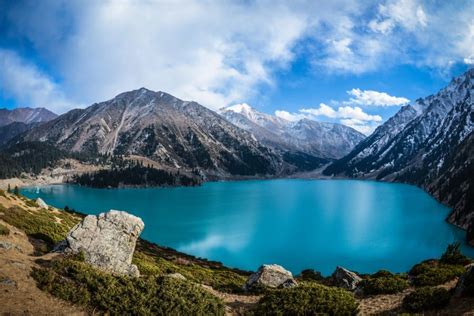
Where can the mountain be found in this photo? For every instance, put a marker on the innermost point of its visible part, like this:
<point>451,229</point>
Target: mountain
<point>25,115</point>
<point>173,133</point>
<point>318,139</point>
<point>428,143</point>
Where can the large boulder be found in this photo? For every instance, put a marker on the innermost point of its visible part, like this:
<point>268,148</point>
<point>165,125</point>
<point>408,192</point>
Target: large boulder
<point>41,203</point>
<point>271,275</point>
<point>107,241</point>
<point>345,279</point>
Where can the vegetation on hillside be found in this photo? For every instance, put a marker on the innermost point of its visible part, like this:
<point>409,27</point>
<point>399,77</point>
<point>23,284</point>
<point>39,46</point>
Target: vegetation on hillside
<point>134,174</point>
<point>312,299</point>
<point>79,283</point>
<point>384,282</point>
<point>426,298</point>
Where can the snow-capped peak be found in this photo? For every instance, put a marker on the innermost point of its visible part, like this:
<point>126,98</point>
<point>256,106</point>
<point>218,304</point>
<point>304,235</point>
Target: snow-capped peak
<point>239,108</point>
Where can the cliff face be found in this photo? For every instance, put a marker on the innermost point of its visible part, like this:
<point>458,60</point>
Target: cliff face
<point>428,143</point>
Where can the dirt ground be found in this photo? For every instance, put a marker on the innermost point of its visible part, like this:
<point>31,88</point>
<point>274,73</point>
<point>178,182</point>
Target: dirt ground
<point>19,294</point>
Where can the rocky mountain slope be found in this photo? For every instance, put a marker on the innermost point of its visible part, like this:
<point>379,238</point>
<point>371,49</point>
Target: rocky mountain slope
<point>174,133</point>
<point>318,139</point>
<point>428,143</point>
<point>25,115</point>
<point>16,121</point>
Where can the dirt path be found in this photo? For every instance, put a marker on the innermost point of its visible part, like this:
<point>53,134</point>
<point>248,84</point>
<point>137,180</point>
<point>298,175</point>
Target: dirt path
<point>19,294</point>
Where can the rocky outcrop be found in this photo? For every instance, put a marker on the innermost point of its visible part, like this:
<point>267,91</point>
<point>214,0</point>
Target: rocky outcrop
<point>107,241</point>
<point>271,275</point>
<point>41,203</point>
<point>465,285</point>
<point>345,279</point>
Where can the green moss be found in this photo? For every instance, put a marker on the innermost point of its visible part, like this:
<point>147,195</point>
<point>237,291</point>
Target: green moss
<point>219,277</point>
<point>307,300</point>
<point>426,298</point>
<point>4,230</point>
<point>42,224</point>
<point>432,272</point>
<point>79,283</point>
<point>384,282</point>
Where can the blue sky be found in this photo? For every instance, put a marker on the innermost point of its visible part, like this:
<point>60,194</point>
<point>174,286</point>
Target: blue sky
<point>352,62</point>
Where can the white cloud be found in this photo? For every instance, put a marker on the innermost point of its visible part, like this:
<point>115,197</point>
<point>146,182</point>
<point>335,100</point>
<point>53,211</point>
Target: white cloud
<point>222,52</point>
<point>375,98</point>
<point>28,85</point>
<point>292,117</point>
<point>344,112</point>
<point>216,53</point>
<point>353,117</point>
<point>361,126</point>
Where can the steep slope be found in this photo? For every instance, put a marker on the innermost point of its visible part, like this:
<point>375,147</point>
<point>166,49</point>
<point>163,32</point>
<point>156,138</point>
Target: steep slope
<point>175,133</point>
<point>10,131</point>
<point>25,115</point>
<point>429,144</point>
<point>317,139</point>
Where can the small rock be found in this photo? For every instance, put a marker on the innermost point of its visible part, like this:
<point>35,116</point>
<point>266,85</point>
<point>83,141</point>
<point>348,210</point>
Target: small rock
<point>178,276</point>
<point>107,241</point>
<point>345,279</point>
<point>7,281</point>
<point>8,245</point>
<point>41,203</point>
<point>270,276</point>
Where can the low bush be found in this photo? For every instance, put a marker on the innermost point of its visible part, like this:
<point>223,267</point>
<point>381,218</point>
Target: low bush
<point>79,283</point>
<point>426,298</point>
<point>432,272</point>
<point>4,230</point>
<point>312,299</point>
<point>51,227</point>
<point>384,282</point>
<point>453,255</point>
<point>311,275</point>
<point>154,260</point>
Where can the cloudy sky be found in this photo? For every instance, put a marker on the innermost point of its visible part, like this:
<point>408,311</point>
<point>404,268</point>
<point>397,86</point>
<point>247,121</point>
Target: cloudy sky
<point>353,62</point>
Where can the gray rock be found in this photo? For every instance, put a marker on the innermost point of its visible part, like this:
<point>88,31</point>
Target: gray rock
<point>8,245</point>
<point>7,281</point>
<point>345,279</point>
<point>41,203</point>
<point>107,241</point>
<point>460,286</point>
<point>271,275</point>
<point>178,276</point>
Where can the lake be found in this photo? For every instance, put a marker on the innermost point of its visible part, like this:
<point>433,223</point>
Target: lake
<point>361,225</point>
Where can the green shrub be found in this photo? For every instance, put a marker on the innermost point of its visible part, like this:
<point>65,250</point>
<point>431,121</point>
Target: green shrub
<point>79,283</point>
<point>4,230</point>
<point>384,282</point>
<point>431,272</point>
<point>453,255</point>
<point>313,299</point>
<point>154,260</point>
<point>426,298</point>
<point>42,224</point>
<point>311,275</point>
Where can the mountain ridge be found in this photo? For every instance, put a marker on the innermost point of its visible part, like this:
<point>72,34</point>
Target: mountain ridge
<point>429,144</point>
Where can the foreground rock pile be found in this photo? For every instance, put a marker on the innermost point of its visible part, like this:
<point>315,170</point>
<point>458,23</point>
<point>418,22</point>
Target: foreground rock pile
<point>271,275</point>
<point>107,241</point>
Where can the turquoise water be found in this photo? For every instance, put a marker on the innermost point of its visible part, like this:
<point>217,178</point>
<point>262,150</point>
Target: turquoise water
<point>362,225</point>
